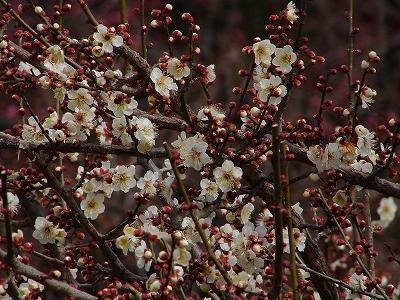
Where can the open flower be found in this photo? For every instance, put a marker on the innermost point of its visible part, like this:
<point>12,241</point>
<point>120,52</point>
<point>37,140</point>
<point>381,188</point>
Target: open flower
<point>263,51</point>
<point>387,211</point>
<point>270,90</point>
<point>284,58</point>
<point>93,205</point>
<point>209,190</point>
<point>227,175</point>
<point>290,12</point>
<point>128,241</point>
<point>108,38</point>
<point>177,69</point>
<point>79,99</point>
<point>162,83</point>
<point>46,232</point>
<point>124,178</point>
<point>146,183</point>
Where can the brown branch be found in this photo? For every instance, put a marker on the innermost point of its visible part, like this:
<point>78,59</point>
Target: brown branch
<point>52,284</point>
<point>118,268</point>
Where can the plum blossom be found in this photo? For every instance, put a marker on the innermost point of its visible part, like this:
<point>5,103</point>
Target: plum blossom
<point>362,166</point>
<point>245,213</point>
<point>144,256</point>
<point>55,62</point>
<point>181,256</point>
<point>93,205</point>
<point>194,153</point>
<point>108,38</point>
<point>32,132</point>
<point>227,176</point>
<point>325,159</point>
<point>177,69</point>
<point>120,130</point>
<point>13,202</point>
<point>127,241</point>
<point>120,105</point>
<point>348,151</point>
<point>213,110</point>
<point>80,99</point>
<point>387,211</point>
<point>209,75</point>
<point>124,178</point>
<point>299,239</point>
<point>46,232</point>
<point>162,83</point>
<point>247,255</point>
<point>284,58</point>
<point>366,96</point>
<point>228,235</point>
<point>365,142</point>
<point>341,198</point>
<point>263,51</point>
<point>146,183</point>
<point>357,282</point>
<point>209,190</point>
<point>271,90</point>
<point>290,12</point>
<point>145,134</point>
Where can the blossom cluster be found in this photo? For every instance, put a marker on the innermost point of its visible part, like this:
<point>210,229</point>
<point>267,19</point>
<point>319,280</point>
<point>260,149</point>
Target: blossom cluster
<point>209,214</point>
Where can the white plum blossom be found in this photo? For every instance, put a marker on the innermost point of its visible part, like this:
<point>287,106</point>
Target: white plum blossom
<point>162,83</point>
<point>120,105</point>
<point>325,159</point>
<point>124,178</point>
<point>290,12</point>
<point>263,51</point>
<point>55,62</point>
<point>209,190</point>
<point>108,38</point>
<point>23,66</point>
<point>284,58</point>
<point>366,96</point>
<point>145,134</point>
<point>270,90</point>
<point>194,153</point>
<point>247,256</point>
<point>209,75</point>
<point>387,211</point>
<point>46,232</point>
<point>127,241</point>
<point>341,198</point>
<point>362,166</point>
<point>228,235</point>
<point>357,282</point>
<point>93,205</point>
<point>177,69</point>
<point>227,176</point>
<point>181,256</point>
<point>349,151</point>
<point>144,256</point>
<point>80,99</point>
<point>120,131</point>
<point>13,202</point>
<point>32,133</point>
<point>146,183</point>
<point>365,142</point>
<point>299,239</point>
<point>245,214</point>
<point>213,110</point>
